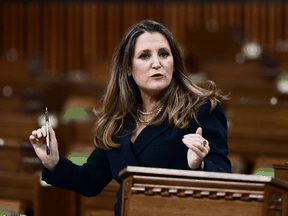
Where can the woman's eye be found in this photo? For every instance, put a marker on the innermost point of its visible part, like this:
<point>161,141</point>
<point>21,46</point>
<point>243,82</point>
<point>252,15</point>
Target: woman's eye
<point>164,54</point>
<point>144,56</point>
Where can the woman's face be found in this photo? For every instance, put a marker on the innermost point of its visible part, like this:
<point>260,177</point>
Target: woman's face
<point>152,64</point>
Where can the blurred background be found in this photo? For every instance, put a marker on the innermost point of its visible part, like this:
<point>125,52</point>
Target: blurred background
<point>57,54</point>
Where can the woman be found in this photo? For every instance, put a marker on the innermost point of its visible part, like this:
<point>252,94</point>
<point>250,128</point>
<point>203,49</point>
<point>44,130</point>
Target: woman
<point>152,116</point>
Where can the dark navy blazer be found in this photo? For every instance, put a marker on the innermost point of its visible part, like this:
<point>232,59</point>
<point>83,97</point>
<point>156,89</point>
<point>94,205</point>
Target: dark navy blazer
<point>156,146</point>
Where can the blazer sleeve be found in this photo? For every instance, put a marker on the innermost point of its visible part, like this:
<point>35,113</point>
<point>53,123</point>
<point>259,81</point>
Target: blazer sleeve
<point>214,129</point>
<point>88,179</point>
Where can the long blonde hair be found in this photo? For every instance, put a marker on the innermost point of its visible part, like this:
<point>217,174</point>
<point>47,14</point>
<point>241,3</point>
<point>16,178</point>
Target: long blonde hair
<point>181,99</point>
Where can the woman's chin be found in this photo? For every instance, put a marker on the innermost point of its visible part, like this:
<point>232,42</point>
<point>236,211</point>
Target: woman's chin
<point>155,91</point>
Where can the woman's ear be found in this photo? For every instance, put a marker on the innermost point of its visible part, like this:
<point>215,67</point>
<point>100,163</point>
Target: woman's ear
<point>129,72</point>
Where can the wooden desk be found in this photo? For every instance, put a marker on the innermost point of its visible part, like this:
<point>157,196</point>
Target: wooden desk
<point>102,204</point>
<point>44,201</point>
<point>258,132</point>
<point>167,192</point>
<point>281,171</point>
<point>23,187</point>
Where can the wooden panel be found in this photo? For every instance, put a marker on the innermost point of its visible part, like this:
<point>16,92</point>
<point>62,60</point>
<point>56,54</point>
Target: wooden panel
<point>215,11</point>
<point>102,203</point>
<point>231,14</point>
<point>151,11</point>
<point>71,34</point>
<point>182,19</point>
<point>274,115</point>
<point>281,170</point>
<point>10,156</point>
<point>30,29</point>
<point>279,21</point>
<point>223,15</point>
<point>258,130</point>
<point>46,38</point>
<point>267,162</point>
<point>24,124</point>
<point>61,39</point>
<point>198,14</point>
<point>19,29</point>
<point>11,104</point>
<point>18,186</point>
<point>77,32</point>
<point>129,15</point>
<point>86,29</point>
<point>191,16</point>
<point>71,38</point>
<point>276,201</point>
<point>247,75</point>
<point>53,16</point>
<point>33,27</point>
<point>271,24</point>
<point>247,23</point>
<point>206,13</point>
<point>26,188</point>
<point>143,11</point>
<point>45,25</point>
<point>255,22</point>
<point>6,28</point>
<point>174,20</point>
<point>93,32</point>
<point>1,30</point>
<point>14,206</point>
<point>286,21</point>
<point>57,201</point>
<point>113,28</point>
<point>14,72</point>
<point>102,31</point>
<point>167,17</point>
<point>239,14</point>
<point>263,23</point>
<point>99,213</point>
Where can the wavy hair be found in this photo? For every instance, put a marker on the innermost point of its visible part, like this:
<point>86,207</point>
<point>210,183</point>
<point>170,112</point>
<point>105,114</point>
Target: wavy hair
<point>181,99</point>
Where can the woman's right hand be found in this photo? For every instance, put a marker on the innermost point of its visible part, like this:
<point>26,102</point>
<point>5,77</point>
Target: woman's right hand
<point>38,141</point>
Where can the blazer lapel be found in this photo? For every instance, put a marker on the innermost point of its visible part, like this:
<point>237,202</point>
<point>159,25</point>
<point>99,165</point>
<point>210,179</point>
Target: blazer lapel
<point>125,151</point>
<point>147,135</point>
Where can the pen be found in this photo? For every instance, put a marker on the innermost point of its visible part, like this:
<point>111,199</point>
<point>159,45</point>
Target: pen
<point>47,131</point>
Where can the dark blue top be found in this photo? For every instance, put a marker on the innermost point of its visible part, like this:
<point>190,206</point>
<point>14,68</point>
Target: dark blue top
<point>156,146</point>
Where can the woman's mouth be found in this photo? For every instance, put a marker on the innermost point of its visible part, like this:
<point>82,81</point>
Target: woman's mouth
<point>158,75</point>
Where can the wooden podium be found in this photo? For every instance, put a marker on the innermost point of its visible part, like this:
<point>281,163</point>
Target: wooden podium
<point>167,192</point>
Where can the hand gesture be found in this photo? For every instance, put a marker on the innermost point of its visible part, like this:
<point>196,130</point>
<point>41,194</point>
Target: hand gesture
<point>38,141</point>
<point>197,150</point>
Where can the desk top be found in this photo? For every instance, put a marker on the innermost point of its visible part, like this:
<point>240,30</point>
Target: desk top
<point>199,175</point>
<point>281,166</point>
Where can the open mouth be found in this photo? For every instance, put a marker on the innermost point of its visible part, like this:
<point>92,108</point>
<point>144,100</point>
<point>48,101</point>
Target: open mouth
<point>157,75</point>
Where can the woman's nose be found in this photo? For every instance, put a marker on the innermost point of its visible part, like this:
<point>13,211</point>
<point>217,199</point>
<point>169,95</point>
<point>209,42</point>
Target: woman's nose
<point>156,63</point>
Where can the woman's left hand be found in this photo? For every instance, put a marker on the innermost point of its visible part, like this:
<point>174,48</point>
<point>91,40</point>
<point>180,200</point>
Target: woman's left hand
<point>197,151</point>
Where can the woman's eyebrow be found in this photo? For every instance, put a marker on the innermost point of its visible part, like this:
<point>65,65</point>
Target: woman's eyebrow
<point>148,50</point>
<point>145,50</point>
<point>164,48</point>
<point>142,51</point>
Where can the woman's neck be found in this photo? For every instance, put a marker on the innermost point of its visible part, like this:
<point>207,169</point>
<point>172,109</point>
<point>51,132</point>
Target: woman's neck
<point>148,104</point>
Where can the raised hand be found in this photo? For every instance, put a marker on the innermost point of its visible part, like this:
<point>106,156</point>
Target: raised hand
<point>197,151</point>
<point>38,141</point>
